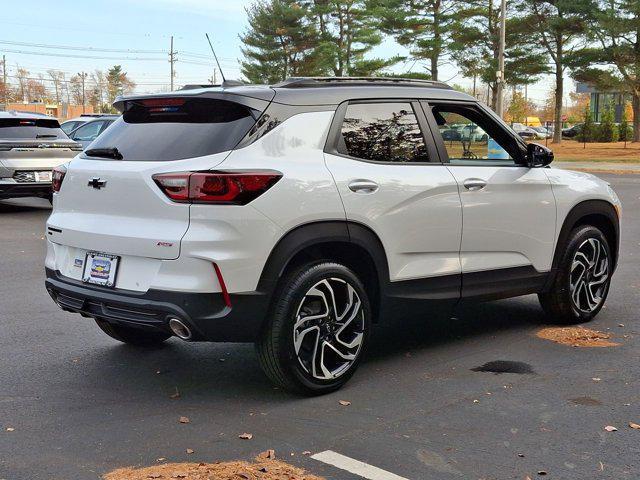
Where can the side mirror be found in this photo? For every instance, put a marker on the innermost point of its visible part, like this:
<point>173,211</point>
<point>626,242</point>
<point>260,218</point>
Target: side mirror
<point>538,155</point>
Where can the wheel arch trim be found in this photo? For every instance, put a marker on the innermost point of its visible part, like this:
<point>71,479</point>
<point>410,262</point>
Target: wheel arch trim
<point>315,234</point>
<point>579,212</point>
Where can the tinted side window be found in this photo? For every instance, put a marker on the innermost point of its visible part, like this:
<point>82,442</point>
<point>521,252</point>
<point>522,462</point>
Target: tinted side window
<point>382,132</point>
<point>165,128</point>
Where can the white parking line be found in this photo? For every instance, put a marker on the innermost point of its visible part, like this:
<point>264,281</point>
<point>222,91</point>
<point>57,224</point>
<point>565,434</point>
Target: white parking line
<point>355,466</point>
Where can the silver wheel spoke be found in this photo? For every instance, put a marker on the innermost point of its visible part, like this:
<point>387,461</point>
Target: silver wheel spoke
<point>589,275</point>
<point>329,329</point>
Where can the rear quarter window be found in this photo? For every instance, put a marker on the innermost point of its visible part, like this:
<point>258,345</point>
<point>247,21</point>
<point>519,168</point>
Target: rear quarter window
<point>164,129</point>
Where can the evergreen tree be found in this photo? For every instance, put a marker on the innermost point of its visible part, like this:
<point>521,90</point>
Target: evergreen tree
<point>348,32</point>
<point>424,26</point>
<point>280,42</point>
<point>475,41</point>
<point>607,131</point>
<point>613,29</point>
<point>587,132</point>
<point>118,83</point>
<point>557,25</point>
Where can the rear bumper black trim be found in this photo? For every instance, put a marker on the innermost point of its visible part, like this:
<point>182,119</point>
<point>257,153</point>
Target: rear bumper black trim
<point>205,313</point>
<point>13,190</point>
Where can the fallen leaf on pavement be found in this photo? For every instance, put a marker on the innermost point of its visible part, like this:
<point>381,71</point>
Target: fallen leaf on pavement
<point>185,420</point>
<point>10,429</point>
<point>245,436</point>
<point>161,459</point>
<point>189,451</point>
<point>601,466</point>
<point>576,337</point>
<point>306,452</point>
<point>263,469</point>
<point>270,454</point>
<point>344,403</point>
<point>542,472</point>
<point>634,426</point>
<point>609,428</point>
<point>596,379</point>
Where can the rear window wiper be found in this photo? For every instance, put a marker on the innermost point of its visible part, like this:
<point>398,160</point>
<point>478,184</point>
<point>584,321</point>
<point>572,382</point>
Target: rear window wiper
<point>104,152</point>
<point>46,135</point>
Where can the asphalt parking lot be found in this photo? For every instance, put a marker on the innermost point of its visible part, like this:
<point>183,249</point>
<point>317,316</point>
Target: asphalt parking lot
<point>81,404</point>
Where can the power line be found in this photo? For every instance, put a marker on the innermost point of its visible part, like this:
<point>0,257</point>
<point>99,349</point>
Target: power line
<point>84,49</point>
<point>93,57</point>
<point>103,50</point>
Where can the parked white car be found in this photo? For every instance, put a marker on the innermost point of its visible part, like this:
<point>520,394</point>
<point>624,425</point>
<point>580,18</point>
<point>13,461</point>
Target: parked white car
<point>298,215</point>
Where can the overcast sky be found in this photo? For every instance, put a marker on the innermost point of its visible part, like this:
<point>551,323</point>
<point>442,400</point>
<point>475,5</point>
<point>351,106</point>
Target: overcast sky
<point>144,25</point>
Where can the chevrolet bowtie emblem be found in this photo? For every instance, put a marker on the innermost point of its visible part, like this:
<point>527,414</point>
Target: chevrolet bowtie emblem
<point>96,183</point>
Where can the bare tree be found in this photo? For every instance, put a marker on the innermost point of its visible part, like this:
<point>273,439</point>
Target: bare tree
<point>57,78</point>
<point>22,75</point>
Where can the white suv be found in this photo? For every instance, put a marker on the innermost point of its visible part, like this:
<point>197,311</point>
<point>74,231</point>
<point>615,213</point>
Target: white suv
<point>297,215</point>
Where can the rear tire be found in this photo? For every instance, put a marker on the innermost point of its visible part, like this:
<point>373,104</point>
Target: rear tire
<point>582,281</point>
<point>132,336</point>
<point>317,329</point>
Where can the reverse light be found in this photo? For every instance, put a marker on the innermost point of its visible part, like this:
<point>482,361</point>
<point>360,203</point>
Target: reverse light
<point>57,176</point>
<point>217,187</point>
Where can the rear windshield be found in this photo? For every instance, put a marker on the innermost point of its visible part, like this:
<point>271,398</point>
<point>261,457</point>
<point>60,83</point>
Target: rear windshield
<point>16,128</point>
<point>162,129</point>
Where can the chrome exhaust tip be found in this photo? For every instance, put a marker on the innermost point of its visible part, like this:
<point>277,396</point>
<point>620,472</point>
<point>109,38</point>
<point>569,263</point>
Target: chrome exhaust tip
<point>179,329</point>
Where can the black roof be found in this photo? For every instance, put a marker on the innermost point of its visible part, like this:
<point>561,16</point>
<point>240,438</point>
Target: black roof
<point>321,90</point>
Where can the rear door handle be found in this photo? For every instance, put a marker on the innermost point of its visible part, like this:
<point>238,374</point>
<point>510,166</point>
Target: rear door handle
<point>474,184</point>
<point>363,186</point>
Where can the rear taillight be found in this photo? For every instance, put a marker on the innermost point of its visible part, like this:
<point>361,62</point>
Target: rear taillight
<point>223,188</point>
<point>57,176</point>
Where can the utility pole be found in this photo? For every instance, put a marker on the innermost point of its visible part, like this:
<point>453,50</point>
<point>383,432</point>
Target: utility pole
<point>500,72</point>
<point>4,81</point>
<point>83,76</point>
<point>172,60</point>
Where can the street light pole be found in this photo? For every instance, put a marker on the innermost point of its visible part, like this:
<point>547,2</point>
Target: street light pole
<point>500,72</point>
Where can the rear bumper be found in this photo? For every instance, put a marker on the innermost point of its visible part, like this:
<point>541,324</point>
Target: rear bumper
<point>205,313</point>
<point>14,190</point>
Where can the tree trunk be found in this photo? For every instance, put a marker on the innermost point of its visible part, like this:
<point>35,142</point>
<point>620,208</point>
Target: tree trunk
<point>636,116</point>
<point>435,55</point>
<point>434,67</point>
<point>494,95</point>
<point>557,114</point>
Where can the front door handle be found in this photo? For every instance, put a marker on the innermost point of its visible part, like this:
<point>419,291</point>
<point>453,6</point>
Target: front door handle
<point>363,186</point>
<point>474,184</point>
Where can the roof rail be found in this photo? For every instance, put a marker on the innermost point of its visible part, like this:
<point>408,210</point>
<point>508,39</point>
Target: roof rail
<point>310,82</point>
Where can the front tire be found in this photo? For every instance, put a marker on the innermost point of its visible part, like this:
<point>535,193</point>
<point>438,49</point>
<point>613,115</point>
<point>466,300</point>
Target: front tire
<point>132,336</point>
<point>582,282</point>
<point>317,329</point>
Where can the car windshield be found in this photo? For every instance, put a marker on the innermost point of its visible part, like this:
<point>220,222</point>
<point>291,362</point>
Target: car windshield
<point>163,129</point>
<point>30,128</point>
